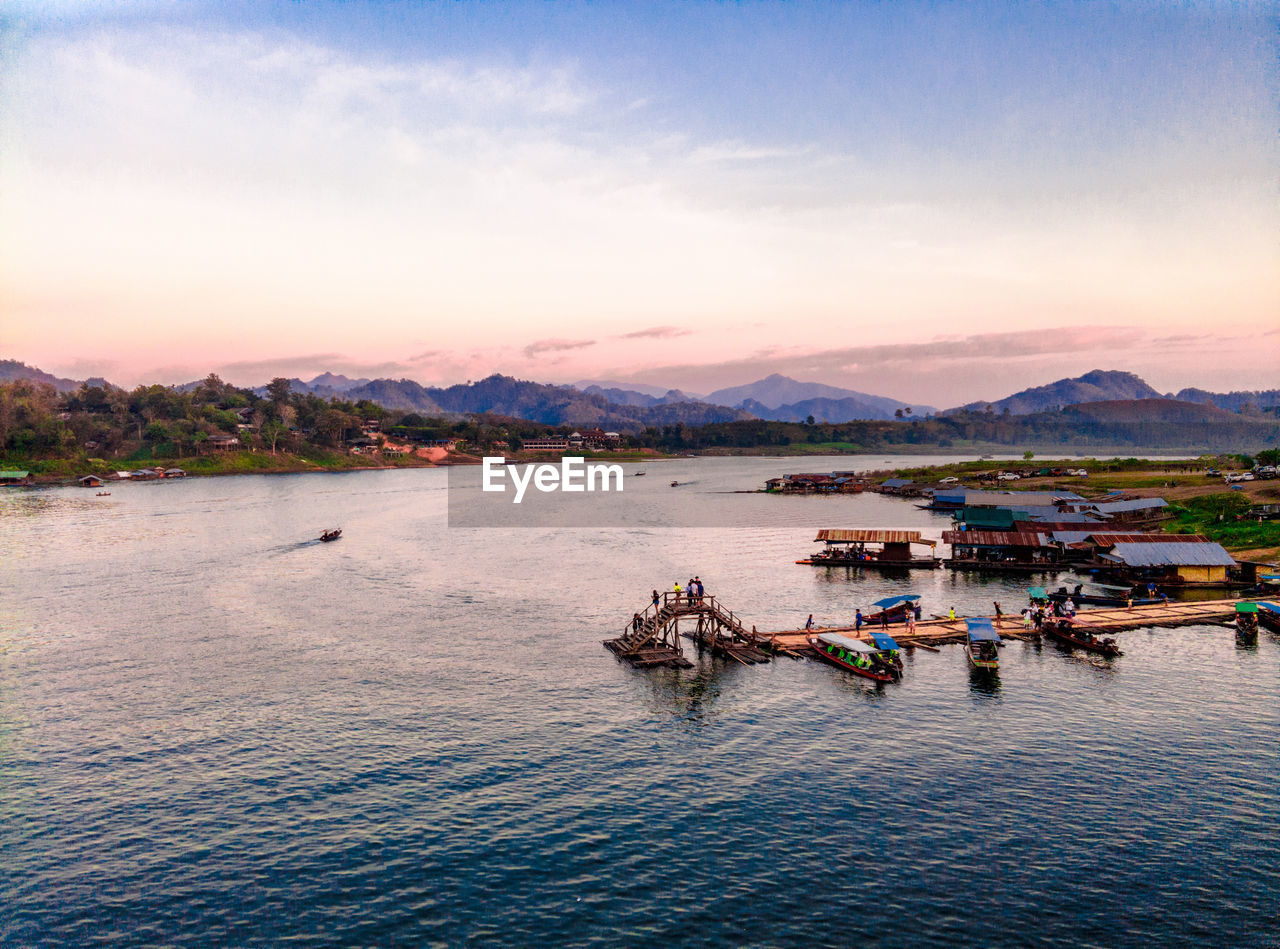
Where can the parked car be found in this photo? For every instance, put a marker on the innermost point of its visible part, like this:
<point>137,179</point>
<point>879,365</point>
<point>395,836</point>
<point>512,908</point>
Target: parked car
<point>949,481</point>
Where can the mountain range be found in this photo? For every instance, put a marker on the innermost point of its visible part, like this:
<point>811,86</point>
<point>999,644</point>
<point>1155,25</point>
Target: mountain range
<point>633,407</point>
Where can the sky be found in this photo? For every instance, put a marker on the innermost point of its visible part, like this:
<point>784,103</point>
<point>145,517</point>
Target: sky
<point>935,202</point>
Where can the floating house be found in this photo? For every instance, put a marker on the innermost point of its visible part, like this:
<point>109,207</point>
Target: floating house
<point>872,548</point>
<point>1180,563</point>
<point>89,481</point>
<point>11,478</point>
<point>1008,550</point>
<point>837,482</point>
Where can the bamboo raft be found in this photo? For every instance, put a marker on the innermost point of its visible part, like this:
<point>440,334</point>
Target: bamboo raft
<point>936,632</point>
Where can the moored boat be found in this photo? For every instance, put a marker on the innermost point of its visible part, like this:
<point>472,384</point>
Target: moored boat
<point>1061,595</point>
<point>1061,630</point>
<point>890,651</point>
<point>1269,616</point>
<point>1247,622</point>
<point>855,656</point>
<point>893,609</point>
<point>333,534</point>
<point>982,645</point>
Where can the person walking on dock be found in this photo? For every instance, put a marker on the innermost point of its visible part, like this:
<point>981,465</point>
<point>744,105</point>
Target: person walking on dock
<point>951,614</point>
<point>884,619</point>
<point>808,624</point>
<point>857,620</point>
<point>999,616</point>
<point>911,622</point>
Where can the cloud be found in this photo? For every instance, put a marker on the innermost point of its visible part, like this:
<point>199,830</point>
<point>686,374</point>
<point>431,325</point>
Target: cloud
<point>556,346</point>
<point>656,332</point>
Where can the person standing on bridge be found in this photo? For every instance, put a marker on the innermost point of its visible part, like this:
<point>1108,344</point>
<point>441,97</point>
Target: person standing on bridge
<point>656,599</point>
<point>678,592</point>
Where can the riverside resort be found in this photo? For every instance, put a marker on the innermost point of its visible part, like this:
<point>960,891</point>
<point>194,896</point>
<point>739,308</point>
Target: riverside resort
<point>640,475</point>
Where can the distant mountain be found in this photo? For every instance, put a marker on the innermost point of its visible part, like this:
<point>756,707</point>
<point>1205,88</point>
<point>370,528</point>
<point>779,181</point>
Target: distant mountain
<point>12,370</point>
<point>1134,411</point>
<point>781,394</point>
<point>1096,386</point>
<point>338,383</point>
<point>635,397</point>
<point>1232,401</point>
<point>537,402</point>
<point>638,388</point>
<point>835,411</point>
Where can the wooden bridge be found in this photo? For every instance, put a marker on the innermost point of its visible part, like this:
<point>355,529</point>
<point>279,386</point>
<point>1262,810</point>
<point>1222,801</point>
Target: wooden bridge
<point>652,638</point>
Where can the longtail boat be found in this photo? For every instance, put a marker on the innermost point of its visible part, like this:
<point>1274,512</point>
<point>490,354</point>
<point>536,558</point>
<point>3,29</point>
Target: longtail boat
<point>1247,623</point>
<point>1269,616</point>
<point>890,651</point>
<point>1060,630</point>
<point>893,609</point>
<point>854,655</point>
<point>982,647</point>
<point>1101,599</point>
<point>331,534</point>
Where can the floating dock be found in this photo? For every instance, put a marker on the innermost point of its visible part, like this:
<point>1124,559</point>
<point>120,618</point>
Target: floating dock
<point>936,632</point>
<point>653,638</point>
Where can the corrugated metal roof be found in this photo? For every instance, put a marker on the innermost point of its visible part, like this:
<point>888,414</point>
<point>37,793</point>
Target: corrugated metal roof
<point>872,537</point>
<point>1118,507</point>
<point>1136,537</point>
<point>1018,499</point>
<point>1168,553</point>
<point>1047,512</point>
<point>995,538</point>
<point>897,482</point>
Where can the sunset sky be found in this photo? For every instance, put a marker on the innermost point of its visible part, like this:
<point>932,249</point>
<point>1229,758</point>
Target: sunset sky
<point>935,202</point>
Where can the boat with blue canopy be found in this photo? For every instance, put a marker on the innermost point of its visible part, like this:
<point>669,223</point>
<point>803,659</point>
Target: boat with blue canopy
<point>889,648</point>
<point>854,655</point>
<point>894,609</point>
<point>1269,616</point>
<point>983,644</point>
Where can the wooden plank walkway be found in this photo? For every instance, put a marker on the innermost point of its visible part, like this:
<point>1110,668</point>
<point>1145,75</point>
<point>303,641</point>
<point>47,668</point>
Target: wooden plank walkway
<point>934,632</point>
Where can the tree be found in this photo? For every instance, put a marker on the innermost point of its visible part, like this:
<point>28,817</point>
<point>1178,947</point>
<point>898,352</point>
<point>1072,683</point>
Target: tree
<point>272,432</point>
<point>278,391</point>
<point>809,420</point>
<point>1028,455</point>
<point>897,413</point>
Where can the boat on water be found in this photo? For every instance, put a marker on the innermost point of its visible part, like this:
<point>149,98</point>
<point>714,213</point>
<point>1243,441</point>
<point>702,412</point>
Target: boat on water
<point>1061,595</point>
<point>856,656</point>
<point>1269,616</point>
<point>982,645</point>
<point>637,474</point>
<point>675,484</point>
<point>893,609</point>
<point>103,494</point>
<point>1247,623</point>
<point>1061,630</point>
<point>333,534</point>
<point>890,651</point>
